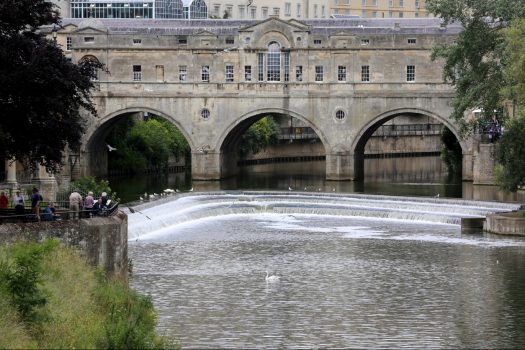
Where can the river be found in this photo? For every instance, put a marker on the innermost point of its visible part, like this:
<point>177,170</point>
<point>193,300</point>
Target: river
<point>357,268</point>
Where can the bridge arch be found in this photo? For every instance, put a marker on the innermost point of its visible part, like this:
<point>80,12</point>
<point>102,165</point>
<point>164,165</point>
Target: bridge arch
<point>366,131</point>
<point>93,150</point>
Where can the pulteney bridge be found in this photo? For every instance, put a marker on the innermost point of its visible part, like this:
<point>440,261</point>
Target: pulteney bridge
<point>214,78</point>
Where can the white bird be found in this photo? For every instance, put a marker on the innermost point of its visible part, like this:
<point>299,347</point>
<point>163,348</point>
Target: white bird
<point>191,189</point>
<point>110,148</point>
<point>177,190</point>
<point>436,196</point>
<point>271,278</point>
<point>168,191</point>
<point>290,189</point>
<point>141,199</point>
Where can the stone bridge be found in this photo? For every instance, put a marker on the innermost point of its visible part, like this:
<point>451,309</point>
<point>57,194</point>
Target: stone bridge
<point>214,78</point>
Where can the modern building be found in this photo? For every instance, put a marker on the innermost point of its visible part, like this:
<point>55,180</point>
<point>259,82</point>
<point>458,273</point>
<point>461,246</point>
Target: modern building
<point>174,9</point>
<point>379,8</point>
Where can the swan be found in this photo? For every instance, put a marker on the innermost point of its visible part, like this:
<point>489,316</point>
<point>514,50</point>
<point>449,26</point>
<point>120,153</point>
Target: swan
<point>272,278</point>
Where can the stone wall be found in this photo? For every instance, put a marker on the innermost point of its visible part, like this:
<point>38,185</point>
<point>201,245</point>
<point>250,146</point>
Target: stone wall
<point>484,162</point>
<point>506,224</point>
<point>103,241</point>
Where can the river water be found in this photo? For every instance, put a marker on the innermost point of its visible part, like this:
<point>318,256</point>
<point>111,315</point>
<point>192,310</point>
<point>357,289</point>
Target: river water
<point>356,270</point>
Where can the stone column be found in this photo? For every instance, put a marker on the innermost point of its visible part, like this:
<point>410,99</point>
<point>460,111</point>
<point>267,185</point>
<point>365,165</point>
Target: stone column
<point>10,165</point>
<point>340,166</point>
<point>46,183</point>
<point>206,165</point>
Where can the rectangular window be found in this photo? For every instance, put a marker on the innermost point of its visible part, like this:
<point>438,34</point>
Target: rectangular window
<point>205,74</point>
<point>411,73</point>
<point>365,73</point>
<point>286,57</point>
<point>374,2</point>
<point>183,40</point>
<point>89,39</point>
<point>401,3</point>
<point>317,41</point>
<point>365,42</point>
<point>276,11</point>
<point>341,73</point>
<point>323,11</point>
<point>347,2</point>
<point>401,15</point>
<point>137,73</point>
<point>69,43</point>
<point>390,3</point>
<point>298,10</point>
<point>287,9</point>
<point>417,4</point>
<point>315,11</point>
<point>241,12</point>
<point>363,2</point>
<point>183,73</point>
<point>260,66</point>
<point>137,41</point>
<point>230,41</point>
<point>299,73</point>
<point>265,12</point>
<point>229,11</point>
<point>253,12</point>
<point>229,73</point>
<point>374,14</point>
<point>363,13</point>
<point>412,41</point>
<point>248,73</point>
<point>217,10</point>
<point>319,73</point>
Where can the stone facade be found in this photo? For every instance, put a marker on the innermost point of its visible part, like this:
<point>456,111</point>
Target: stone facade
<point>214,78</point>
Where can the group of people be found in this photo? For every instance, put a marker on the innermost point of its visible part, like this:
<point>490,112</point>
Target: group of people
<point>19,203</point>
<point>89,206</point>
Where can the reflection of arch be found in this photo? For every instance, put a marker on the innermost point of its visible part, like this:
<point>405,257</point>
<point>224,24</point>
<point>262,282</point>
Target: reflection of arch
<point>369,128</point>
<point>233,132</point>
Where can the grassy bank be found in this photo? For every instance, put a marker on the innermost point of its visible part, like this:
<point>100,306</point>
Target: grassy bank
<point>50,298</point>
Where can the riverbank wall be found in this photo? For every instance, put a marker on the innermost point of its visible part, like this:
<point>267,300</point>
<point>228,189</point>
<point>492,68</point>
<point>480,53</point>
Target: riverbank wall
<point>512,223</point>
<point>103,241</point>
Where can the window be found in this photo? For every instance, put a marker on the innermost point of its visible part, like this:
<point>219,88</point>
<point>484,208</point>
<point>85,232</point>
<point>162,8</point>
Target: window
<point>298,10</point>
<point>340,115</point>
<point>319,73</point>
<point>137,73</point>
<point>299,73</point>
<point>347,2</point>
<point>417,4</point>
<point>363,2</point>
<point>287,9</point>
<point>365,41</point>
<point>137,41</point>
<point>315,11</point>
<point>374,14</point>
<point>69,43</point>
<point>341,73</point>
<point>248,73</point>
<point>276,11</point>
<point>323,11</point>
<point>317,41</point>
<point>273,62</point>
<point>229,11</point>
<point>411,73</point>
<point>242,12</point>
<point>286,58</point>
<point>253,12</point>
<point>89,39</point>
<point>374,2</point>
<point>401,15</point>
<point>363,13</point>
<point>230,41</point>
<point>416,14</point>
<point>260,66</point>
<point>216,10</point>
<point>205,74</point>
<point>183,73</point>
<point>205,113</point>
<point>183,40</point>
<point>365,73</point>
<point>265,12</point>
<point>401,3</point>
<point>229,73</point>
<point>411,41</point>
<point>390,3</point>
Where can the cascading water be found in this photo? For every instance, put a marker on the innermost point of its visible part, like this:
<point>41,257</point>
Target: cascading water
<point>158,217</point>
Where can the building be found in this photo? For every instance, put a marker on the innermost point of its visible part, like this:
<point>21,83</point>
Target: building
<point>262,9</point>
<point>173,9</point>
<point>379,8</point>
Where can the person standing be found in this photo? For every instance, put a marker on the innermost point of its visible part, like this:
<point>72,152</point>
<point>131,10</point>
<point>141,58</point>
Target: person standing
<point>19,203</point>
<point>89,203</point>
<point>36,199</point>
<point>4,201</point>
<point>75,203</point>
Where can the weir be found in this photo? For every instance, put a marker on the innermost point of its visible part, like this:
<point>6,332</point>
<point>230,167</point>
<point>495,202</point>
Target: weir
<point>163,215</point>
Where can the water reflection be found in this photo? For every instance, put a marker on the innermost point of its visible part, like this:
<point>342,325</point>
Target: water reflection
<point>417,176</point>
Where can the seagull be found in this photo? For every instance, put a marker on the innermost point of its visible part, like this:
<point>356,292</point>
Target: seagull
<point>191,189</point>
<point>141,199</point>
<point>177,190</point>
<point>436,196</point>
<point>290,189</point>
<point>272,278</point>
<point>110,148</point>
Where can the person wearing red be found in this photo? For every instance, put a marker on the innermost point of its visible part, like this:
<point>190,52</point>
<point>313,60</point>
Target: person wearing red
<point>4,201</point>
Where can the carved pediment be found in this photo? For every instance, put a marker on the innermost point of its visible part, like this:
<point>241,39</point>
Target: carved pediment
<point>204,33</point>
<point>273,22</point>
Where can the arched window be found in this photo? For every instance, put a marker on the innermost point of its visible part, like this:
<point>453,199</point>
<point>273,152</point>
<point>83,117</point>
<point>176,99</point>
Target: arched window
<point>198,9</point>
<point>169,9</point>
<point>273,62</point>
<point>91,61</point>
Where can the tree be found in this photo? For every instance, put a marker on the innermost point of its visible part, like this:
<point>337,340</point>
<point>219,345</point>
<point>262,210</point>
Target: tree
<point>262,133</point>
<point>475,61</point>
<point>42,94</point>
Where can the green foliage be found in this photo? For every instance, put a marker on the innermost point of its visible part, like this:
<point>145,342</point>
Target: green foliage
<point>451,151</point>
<point>41,92</point>
<point>20,277</point>
<point>515,58</point>
<point>262,133</point>
<point>510,154</point>
<point>146,145</point>
<point>475,61</point>
<point>90,183</point>
<point>83,309</point>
